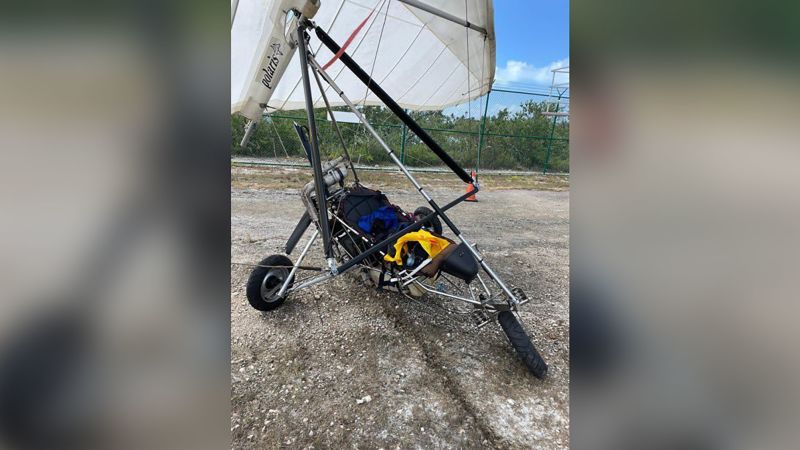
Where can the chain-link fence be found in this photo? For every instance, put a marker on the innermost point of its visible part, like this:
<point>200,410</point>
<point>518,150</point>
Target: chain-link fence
<point>504,130</point>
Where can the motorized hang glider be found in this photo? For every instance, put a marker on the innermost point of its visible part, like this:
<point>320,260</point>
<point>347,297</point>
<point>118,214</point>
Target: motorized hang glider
<point>426,56</point>
<point>403,54</point>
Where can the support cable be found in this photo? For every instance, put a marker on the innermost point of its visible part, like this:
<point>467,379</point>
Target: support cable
<point>483,121</point>
<point>393,106</point>
<point>469,75</point>
<point>377,50</point>
<point>335,125</point>
<point>374,60</point>
<point>279,137</point>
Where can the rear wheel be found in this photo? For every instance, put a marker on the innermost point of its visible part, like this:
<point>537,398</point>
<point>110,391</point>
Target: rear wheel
<point>266,280</point>
<point>434,224</point>
<point>522,344</point>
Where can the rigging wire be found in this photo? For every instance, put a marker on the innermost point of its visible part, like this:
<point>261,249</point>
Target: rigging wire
<point>469,73</point>
<point>342,67</point>
<point>377,50</point>
<point>336,126</point>
<point>374,60</point>
<point>419,160</point>
<point>349,40</point>
<point>364,135</point>
<point>481,128</point>
<point>272,122</point>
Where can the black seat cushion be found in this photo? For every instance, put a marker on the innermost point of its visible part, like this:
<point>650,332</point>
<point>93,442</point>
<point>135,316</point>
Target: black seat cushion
<point>460,263</point>
<point>359,202</point>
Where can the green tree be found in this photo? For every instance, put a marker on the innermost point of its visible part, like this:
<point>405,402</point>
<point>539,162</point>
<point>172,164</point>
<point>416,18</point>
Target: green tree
<point>517,139</point>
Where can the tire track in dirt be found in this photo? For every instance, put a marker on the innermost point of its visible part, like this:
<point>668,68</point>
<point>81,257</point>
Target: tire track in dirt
<point>394,348</point>
<point>434,362</point>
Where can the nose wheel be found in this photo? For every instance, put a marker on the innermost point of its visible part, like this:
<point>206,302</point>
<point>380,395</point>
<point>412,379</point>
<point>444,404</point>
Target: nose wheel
<point>266,281</point>
<point>522,344</point>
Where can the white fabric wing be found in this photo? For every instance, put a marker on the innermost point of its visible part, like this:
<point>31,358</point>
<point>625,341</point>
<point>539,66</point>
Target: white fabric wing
<point>423,61</point>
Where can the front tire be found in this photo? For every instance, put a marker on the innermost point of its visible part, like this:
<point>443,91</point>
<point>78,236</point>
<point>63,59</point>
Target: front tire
<point>266,280</point>
<point>522,344</point>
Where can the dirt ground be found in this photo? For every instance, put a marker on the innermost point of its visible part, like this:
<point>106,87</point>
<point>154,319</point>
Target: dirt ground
<point>342,365</point>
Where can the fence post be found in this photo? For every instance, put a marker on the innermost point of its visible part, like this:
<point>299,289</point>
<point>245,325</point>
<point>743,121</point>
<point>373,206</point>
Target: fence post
<point>483,130</point>
<point>550,141</point>
<point>403,145</point>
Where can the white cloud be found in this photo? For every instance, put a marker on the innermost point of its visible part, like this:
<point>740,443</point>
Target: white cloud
<point>522,72</point>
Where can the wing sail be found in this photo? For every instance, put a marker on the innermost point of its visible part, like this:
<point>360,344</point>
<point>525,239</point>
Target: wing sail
<point>423,60</point>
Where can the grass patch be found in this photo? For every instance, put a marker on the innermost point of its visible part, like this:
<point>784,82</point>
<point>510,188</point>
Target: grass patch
<point>246,177</point>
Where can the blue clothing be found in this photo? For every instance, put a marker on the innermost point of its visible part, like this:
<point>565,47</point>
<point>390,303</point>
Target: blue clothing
<point>386,215</point>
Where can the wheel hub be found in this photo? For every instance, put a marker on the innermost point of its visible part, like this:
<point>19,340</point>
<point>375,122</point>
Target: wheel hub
<point>272,283</point>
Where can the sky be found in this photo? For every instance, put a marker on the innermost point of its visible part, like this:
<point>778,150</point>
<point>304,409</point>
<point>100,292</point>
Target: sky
<point>532,38</point>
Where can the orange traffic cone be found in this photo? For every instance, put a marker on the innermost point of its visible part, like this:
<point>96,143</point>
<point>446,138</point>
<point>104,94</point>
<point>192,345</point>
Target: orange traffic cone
<point>471,188</point>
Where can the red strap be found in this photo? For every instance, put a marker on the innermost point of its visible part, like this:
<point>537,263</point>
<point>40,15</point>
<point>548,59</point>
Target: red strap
<point>349,40</point>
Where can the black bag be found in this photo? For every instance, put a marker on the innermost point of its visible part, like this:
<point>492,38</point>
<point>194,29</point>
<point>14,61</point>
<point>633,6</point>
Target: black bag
<point>359,202</point>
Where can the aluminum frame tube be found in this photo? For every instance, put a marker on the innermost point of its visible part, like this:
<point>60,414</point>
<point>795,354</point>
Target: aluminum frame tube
<point>319,186</point>
<point>437,209</point>
<point>297,264</point>
<point>391,238</point>
<point>315,65</point>
<point>392,105</point>
<point>444,15</point>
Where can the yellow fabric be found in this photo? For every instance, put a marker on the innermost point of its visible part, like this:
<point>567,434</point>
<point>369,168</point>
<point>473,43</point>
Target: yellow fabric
<point>430,243</point>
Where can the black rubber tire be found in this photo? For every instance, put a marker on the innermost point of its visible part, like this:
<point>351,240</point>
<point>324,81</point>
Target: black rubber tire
<point>522,344</point>
<point>255,295</point>
<point>434,223</point>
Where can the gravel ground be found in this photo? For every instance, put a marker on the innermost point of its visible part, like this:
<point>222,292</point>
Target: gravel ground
<point>342,365</point>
